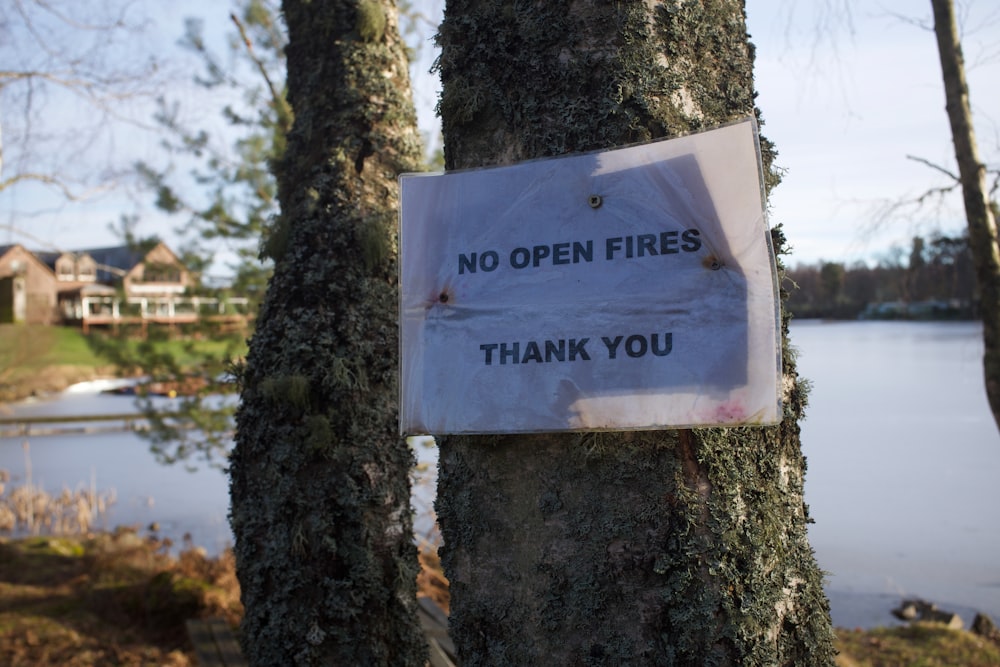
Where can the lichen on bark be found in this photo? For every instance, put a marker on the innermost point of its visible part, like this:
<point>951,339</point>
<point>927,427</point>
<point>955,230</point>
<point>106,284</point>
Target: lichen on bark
<point>652,548</point>
<point>319,477</point>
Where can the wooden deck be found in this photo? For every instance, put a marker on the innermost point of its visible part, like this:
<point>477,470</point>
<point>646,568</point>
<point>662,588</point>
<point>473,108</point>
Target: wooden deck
<point>440,648</point>
<point>215,644</point>
<point>220,323</point>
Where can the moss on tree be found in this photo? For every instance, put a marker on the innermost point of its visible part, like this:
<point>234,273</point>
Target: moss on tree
<point>654,548</point>
<point>320,488</point>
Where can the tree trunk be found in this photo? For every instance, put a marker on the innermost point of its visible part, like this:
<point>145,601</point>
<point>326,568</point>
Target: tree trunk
<point>320,488</point>
<point>674,547</point>
<point>978,212</point>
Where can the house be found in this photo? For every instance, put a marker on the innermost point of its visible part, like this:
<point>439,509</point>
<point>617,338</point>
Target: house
<point>122,285</point>
<point>27,288</point>
<point>114,285</point>
<point>89,286</point>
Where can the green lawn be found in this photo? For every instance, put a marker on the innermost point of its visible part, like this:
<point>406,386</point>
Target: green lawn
<point>32,346</point>
<point>36,346</point>
<point>35,358</point>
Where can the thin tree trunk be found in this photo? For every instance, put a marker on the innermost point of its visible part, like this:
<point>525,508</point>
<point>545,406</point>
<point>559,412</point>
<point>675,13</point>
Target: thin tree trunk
<point>643,548</point>
<point>978,212</point>
<point>320,488</point>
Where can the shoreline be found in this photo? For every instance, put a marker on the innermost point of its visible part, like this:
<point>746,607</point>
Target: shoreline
<point>851,607</point>
<point>50,380</point>
<point>854,610</point>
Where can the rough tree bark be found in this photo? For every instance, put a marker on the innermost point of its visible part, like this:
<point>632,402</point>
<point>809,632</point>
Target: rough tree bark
<point>320,488</point>
<point>978,212</point>
<point>645,548</point>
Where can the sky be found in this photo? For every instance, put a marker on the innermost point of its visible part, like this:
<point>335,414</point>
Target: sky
<point>847,89</point>
<point>847,101</point>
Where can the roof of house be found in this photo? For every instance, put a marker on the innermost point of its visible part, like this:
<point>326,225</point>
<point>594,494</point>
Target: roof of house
<point>47,258</point>
<point>113,262</point>
<point>4,249</point>
<point>124,258</point>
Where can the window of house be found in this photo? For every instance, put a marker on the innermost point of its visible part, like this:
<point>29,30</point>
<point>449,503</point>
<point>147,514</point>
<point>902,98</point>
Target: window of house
<point>161,273</point>
<point>86,271</point>
<point>64,270</point>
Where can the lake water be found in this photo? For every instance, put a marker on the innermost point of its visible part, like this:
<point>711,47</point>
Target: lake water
<point>191,499</point>
<point>903,478</point>
<point>904,466</point>
<point>178,500</point>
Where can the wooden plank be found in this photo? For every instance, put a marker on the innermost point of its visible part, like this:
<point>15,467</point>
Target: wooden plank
<point>435,625</point>
<point>216,646</point>
<point>434,612</point>
<point>214,643</point>
<point>203,641</point>
<point>225,640</point>
<point>437,656</point>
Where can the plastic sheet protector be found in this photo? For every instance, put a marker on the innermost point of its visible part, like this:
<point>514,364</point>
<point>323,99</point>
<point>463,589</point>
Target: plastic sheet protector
<point>627,289</point>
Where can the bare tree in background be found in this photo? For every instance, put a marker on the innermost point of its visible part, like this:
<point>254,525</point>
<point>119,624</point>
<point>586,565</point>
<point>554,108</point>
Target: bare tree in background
<point>69,72</point>
<point>980,214</point>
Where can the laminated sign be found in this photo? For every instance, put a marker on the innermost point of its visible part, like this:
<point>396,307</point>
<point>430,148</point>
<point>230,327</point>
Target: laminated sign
<point>626,289</point>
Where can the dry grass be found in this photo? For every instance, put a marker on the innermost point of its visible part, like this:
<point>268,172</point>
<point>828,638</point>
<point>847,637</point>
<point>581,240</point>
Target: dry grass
<point>122,599</point>
<point>915,645</point>
<point>30,509</point>
<point>106,599</point>
<point>431,582</point>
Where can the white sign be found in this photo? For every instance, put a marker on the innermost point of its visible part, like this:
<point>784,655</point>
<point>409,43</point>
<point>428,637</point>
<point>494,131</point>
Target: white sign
<point>627,289</point>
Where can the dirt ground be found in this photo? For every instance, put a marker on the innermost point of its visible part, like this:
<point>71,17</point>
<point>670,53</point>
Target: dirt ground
<point>120,599</point>
<point>107,599</point>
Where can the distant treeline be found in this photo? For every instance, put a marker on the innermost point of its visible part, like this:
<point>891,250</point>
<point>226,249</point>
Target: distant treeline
<point>934,279</point>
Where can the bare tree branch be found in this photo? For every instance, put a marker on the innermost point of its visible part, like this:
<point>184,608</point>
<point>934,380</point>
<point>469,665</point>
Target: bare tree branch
<point>79,25</point>
<point>48,179</point>
<point>922,23</point>
<point>280,104</point>
<point>39,243</point>
<point>66,93</point>
<point>924,161</point>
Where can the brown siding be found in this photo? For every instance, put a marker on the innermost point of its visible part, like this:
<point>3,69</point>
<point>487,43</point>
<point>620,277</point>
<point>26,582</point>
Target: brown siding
<point>65,268</point>
<point>86,268</point>
<point>40,284</point>
<point>160,256</point>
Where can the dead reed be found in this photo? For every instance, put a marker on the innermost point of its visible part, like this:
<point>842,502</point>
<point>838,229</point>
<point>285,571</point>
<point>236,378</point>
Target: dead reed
<point>28,509</point>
